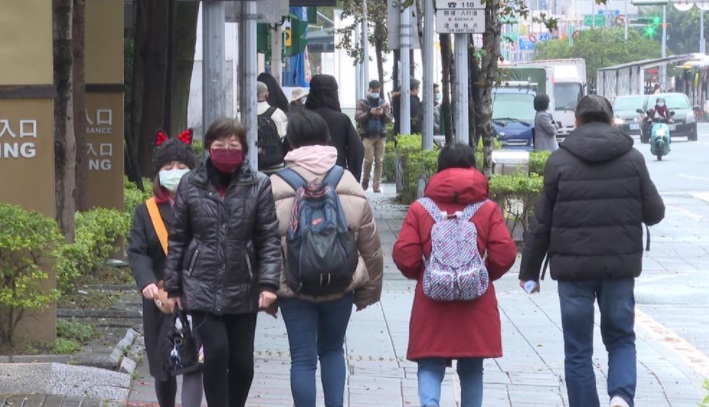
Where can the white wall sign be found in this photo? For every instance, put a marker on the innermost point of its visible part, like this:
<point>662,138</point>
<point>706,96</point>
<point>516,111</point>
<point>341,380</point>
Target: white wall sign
<point>460,21</point>
<point>11,144</point>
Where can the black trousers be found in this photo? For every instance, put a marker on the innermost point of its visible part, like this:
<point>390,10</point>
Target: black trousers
<point>228,342</point>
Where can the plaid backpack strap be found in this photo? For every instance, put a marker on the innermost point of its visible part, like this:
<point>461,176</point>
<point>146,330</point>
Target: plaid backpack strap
<point>470,210</point>
<point>432,209</point>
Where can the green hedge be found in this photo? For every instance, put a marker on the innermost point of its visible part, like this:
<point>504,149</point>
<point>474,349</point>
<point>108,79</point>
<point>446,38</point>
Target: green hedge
<point>132,196</point>
<point>515,194</point>
<point>28,242</point>
<point>97,232</point>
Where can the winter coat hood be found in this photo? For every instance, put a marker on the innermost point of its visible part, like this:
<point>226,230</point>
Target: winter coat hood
<point>597,142</point>
<point>323,93</point>
<point>458,185</point>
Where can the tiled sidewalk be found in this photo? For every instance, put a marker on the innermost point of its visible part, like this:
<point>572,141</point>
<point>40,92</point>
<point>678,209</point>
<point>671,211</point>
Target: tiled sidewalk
<point>529,374</point>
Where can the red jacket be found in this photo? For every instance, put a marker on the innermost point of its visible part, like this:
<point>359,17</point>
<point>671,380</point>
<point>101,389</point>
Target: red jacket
<point>460,328</point>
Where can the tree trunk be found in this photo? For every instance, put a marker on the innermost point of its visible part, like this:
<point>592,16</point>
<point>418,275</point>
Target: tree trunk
<point>138,78</point>
<point>185,40</point>
<point>395,71</point>
<point>79,77</point>
<point>491,46</point>
<point>64,141</point>
<point>154,53</point>
<point>472,100</point>
<point>379,50</point>
<point>447,65</point>
<point>475,81</point>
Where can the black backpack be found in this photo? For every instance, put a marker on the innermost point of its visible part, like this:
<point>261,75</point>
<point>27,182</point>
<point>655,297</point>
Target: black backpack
<point>270,147</point>
<point>321,251</point>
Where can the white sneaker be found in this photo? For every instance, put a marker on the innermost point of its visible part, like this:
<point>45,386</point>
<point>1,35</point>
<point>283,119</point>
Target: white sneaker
<point>618,401</point>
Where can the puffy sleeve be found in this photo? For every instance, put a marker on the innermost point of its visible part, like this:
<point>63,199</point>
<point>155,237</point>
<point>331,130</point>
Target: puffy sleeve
<point>408,249</point>
<point>501,249</point>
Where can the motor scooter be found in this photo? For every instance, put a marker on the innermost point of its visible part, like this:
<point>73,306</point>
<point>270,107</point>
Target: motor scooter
<point>660,137</point>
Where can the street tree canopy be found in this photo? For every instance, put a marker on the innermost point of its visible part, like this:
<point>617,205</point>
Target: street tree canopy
<point>601,48</point>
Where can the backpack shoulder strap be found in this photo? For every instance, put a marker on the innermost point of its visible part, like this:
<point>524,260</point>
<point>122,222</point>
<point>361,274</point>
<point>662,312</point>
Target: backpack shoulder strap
<point>470,210</point>
<point>158,223</point>
<point>431,208</point>
<point>333,177</point>
<point>292,178</point>
<point>268,113</point>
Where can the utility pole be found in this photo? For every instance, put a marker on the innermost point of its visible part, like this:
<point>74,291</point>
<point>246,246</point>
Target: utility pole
<point>213,84</point>
<point>460,107</point>
<point>405,70</point>
<point>276,53</point>
<point>249,13</point>
<point>428,56</point>
<point>625,20</point>
<point>358,66</point>
<point>663,67</point>
<point>702,42</point>
<point>365,47</point>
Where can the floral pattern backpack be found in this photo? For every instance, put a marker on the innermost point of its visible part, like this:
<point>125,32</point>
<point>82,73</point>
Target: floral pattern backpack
<point>455,270</point>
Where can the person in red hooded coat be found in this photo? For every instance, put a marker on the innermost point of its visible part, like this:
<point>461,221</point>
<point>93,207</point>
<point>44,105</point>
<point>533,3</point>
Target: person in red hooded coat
<point>467,331</point>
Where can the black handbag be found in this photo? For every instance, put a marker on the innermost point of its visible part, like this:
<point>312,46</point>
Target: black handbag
<point>180,345</point>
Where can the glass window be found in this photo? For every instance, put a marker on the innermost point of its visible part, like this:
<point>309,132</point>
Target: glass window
<point>671,101</point>
<point>628,102</point>
<point>517,106</point>
<point>567,95</point>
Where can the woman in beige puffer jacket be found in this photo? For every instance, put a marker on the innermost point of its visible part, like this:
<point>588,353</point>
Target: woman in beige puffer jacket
<point>317,326</point>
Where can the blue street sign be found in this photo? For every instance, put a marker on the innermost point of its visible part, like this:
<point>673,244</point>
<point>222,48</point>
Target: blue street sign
<point>524,44</point>
<point>544,37</point>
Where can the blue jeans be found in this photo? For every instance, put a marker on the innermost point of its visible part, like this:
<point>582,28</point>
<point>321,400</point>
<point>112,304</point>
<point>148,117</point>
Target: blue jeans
<point>430,376</point>
<point>616,302</point>
<point>317,329</point>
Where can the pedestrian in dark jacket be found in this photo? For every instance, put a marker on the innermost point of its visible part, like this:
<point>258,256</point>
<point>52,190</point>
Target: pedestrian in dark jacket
<point>224,259</point>
<point>372,115</point>
<point>468,331</point>
<point>589,221</point>
<point>415,107</point>
<point>172,159</point>
<point>324,100</point>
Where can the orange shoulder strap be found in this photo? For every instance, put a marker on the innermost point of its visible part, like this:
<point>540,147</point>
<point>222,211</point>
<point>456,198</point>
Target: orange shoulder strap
<point>158,223</point>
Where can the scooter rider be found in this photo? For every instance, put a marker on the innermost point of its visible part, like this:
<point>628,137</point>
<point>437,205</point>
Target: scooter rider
<point>659,111</point>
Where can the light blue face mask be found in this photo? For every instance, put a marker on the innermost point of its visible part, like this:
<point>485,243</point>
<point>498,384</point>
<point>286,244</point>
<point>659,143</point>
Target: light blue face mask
<point>170,179</point>
<point>374,95</point>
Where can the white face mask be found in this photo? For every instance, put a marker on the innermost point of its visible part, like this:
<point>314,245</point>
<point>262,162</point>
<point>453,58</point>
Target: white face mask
<point>660,104</point>
<point>170,179</point>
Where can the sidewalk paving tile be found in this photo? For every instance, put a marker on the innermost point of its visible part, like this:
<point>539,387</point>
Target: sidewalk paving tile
<point>531,372</point>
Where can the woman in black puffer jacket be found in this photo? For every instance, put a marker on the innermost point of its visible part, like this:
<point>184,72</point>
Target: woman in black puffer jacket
<point>224,259</point>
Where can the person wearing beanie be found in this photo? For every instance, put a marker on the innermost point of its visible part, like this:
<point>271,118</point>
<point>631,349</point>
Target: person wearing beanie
<point>224,263</point>
<point>172,159</point>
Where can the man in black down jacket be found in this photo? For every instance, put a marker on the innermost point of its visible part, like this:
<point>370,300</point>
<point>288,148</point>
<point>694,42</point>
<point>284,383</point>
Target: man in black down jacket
<point>597,194</point>
<point>324,100</point>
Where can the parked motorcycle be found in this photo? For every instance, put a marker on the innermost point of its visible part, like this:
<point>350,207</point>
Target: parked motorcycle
<point>660,137</point>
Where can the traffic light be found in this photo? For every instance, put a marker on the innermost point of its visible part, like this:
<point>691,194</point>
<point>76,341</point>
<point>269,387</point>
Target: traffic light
<point>652,24</point>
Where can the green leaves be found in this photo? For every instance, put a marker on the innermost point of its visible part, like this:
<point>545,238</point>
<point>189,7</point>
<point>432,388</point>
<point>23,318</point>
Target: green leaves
<point>97,232</point>
<point>27,243</point>
<point>601,48</point>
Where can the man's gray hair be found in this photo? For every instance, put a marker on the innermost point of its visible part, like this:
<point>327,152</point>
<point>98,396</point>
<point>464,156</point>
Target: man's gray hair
<point>261,90</point>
